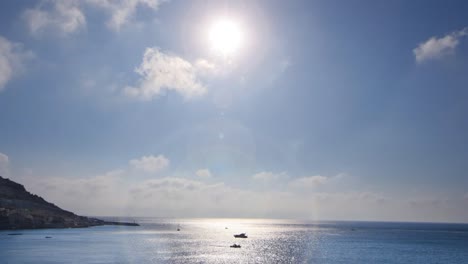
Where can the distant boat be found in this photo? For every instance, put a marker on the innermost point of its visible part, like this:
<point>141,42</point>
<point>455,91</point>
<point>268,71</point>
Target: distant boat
<point>241,235</point>
<point>178,228</point>
<point>235,246</point>
<point>226,227</point>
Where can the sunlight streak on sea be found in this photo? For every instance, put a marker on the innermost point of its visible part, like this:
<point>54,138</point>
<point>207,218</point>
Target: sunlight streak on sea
<point>269,241</point>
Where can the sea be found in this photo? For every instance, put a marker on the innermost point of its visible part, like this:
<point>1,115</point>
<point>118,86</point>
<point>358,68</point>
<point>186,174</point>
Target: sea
<point>269,241</point>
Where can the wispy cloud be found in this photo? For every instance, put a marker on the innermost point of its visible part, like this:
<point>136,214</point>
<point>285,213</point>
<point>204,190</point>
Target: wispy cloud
<point>436,48</point>
<point>160,71</point>
<point>150,163</point>
<point>12,58</point>
<point>267,176</point>
<point>203,173</point>
<point>4,165</point>
<point>122,11</point>
<point>309,182</point>
<point>205,67</point>
<point>64,16</point>
<point>68,16</point>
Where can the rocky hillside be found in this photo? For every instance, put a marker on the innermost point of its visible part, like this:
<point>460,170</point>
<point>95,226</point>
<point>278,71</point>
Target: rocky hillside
<point>19,209</point>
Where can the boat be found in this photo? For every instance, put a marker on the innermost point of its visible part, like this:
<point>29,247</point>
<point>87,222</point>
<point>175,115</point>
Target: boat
<point>241,235</point>
<point>235,246</point>
<point>178,228</point>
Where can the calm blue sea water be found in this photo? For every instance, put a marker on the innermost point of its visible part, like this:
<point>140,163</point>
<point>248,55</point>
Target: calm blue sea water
<point>269,241</point>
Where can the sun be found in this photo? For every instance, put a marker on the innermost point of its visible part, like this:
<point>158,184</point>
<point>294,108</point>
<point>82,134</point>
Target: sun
<point>225,36</point>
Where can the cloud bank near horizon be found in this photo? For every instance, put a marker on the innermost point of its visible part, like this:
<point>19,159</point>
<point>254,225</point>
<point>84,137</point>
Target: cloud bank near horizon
<point>117,193</point>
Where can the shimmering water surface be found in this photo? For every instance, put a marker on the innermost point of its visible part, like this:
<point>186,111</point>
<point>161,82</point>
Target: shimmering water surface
<point>269,241</point>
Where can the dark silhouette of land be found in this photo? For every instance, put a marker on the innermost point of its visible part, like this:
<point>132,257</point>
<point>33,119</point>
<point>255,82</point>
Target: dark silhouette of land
<point>20,209</point>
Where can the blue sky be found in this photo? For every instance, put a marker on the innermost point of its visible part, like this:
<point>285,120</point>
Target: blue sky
<point>327,109</point>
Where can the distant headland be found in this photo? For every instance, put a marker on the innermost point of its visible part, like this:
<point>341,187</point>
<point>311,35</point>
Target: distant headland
<point>20,209</point>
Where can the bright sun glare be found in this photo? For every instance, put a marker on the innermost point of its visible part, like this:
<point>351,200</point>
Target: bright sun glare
<point>226,37</point>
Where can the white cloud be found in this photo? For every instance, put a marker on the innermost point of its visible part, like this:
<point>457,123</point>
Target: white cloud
<point>68,16</point>
<point>150,163</point>
<point>12,58</point>
<point>63,16</point>
<point>205,67</point>
<point>267,176</point>
<point>122,11</point>
<point>436,48</point>
<point>308,182</point>
<point>160,71</point>
<point>203,173</point>
<point>4,164</point>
